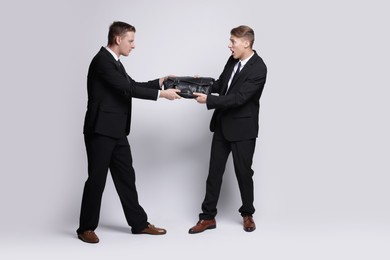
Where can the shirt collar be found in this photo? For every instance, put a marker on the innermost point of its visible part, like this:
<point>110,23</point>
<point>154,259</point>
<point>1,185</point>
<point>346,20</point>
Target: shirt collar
<point>243,62</point>
<point>113,53</point>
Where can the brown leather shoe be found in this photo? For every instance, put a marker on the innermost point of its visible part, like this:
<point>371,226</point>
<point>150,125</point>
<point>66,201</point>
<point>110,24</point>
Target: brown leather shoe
<point>88,236</point>
<point>152,230</point>
<point>249,223</point>
<point>202,225</point>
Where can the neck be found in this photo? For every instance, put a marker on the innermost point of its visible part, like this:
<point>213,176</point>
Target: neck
<point>247,54</point>
<point>114,48</point>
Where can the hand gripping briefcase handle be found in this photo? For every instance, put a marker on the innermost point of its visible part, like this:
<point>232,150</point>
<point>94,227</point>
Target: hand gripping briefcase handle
<point>189,85</point>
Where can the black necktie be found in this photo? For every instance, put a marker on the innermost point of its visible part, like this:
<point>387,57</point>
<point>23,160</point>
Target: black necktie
<point>123,69</point>
<point>234,76</point>
<point>237,72</point>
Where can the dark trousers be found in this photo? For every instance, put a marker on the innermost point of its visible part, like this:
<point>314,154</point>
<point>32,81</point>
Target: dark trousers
<point>242,152</point>
<point>110,153</point>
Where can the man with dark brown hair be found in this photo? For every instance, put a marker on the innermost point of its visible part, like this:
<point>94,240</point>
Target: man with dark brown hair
<point>106,126</point>
<point>235,124</point>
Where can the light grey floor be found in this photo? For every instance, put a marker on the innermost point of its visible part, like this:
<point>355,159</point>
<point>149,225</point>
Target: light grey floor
<point>271,240</point>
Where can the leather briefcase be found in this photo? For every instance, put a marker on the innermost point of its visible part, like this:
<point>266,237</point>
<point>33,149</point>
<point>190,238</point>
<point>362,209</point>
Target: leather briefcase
<point>188,85</point>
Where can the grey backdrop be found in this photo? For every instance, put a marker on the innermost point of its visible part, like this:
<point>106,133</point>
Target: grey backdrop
<point>321,162</point>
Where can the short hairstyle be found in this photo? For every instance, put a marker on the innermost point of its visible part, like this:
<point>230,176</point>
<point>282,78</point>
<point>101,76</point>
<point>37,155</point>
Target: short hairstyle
<point>244,31</point>
<point>118,29</point>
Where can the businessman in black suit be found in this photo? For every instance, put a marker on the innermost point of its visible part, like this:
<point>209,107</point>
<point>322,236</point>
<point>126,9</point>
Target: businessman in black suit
<point>107,124</point>
<point>235,124</point>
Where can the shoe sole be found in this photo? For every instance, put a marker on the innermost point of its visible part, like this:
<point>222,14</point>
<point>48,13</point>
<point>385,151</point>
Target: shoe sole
<point>196,232</point>
<point>89,242</point>
<point>249,229</point>
<point>152,234</point>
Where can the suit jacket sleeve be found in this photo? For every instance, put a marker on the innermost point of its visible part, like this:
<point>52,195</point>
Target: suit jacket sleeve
<point>252,85</point>
<point>111,74</point>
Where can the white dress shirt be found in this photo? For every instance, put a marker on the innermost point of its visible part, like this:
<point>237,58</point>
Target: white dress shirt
<point>243,62</point>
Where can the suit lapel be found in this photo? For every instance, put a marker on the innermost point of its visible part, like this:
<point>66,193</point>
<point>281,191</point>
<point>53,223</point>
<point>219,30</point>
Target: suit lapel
<point>121,68</point>
<point>243,72</point>
<point>228,75</point>
<point>117,63</point>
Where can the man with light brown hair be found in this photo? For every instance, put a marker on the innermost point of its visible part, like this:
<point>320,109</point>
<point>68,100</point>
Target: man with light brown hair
<point>235,124</point>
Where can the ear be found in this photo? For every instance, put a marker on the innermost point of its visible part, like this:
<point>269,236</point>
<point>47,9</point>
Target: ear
<point>246,44</point>
<point>118,40</point>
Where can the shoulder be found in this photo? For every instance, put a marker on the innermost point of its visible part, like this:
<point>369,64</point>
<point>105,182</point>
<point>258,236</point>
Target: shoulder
<point>102,54</point>
<point>258,62</point>
<point>102,60</point>
<point>256,58</point>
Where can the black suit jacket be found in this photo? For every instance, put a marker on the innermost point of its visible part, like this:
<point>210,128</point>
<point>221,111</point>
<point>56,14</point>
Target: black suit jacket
<point>110,91</point>
<point>238,110</point>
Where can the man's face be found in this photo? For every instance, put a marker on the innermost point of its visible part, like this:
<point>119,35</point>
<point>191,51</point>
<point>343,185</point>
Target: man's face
<point>238,46</point>
<point>126,43</point>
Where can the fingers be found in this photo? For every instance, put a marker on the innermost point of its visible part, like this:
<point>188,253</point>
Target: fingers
<point>173,97</point>
<point>200,97</point>
<point>173,94</point>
